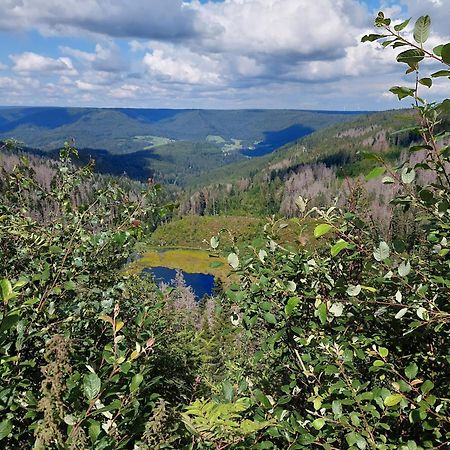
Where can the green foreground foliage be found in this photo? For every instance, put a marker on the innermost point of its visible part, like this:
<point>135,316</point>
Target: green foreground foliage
<point>345,346</point>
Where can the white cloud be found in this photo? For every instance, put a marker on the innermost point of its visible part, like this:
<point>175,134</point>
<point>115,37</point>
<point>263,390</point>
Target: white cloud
<point>183,66</point>
<point>106,57</point>
<point>32,62</point>
<point>159,19</point>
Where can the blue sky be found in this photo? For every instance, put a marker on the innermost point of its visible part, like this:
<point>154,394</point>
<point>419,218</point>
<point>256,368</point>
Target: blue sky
<point>301,54</point>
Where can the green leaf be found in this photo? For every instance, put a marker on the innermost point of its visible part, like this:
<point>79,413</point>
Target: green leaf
<point>291,304</point>
<point>411,371</point>
<point>322,229</point>
<point>353,291</point>
<point>445,53</point>
<point>214,242</point>
<point>270,318</point>
<point>382,252</point>
<point>233,260</point>
<point>374,173</point>
<point>383,351</point>
<point>5,428</point>
<point>336,407</point>
<point>318,423</point>
<point>422,29</point>
<point>337,309</point>
<point>6,290</point>
<point>372,37</point>
<point>69,285</point>
<point>441,73</point>
<point>401,26</point>
<point>94,430</point>
<point>8,322</point>
<point>392,400</point>
<point>91,385</point>
<point>404,268</point>
<point>322,313</point>
<point>408,175</point>
<point>401,313</point>
<point>339,246</point>
<point>427,386</point>
<point>136,382</point>
<point>428,82</point>
<point>402,92</point>
<point>227,389</point>
<point>438,50</point>
<point>411,57</point>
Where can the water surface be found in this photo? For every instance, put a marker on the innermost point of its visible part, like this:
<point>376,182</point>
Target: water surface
<point>201,283</point>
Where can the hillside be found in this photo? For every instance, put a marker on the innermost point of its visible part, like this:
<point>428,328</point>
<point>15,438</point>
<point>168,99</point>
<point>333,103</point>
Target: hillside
<point>169,145</point>
<point>314,166</point>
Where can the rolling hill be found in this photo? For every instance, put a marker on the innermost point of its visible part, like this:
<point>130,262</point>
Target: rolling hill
<point>174,146</point>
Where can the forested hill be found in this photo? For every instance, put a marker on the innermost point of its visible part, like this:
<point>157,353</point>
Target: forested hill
<point>313,166</point>
<point>130,130</point>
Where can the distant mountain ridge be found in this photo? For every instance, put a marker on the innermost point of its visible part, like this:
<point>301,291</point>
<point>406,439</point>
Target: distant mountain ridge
<point>114,129</point>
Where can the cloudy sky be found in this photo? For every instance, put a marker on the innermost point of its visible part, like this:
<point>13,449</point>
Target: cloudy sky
<point>302,54</point>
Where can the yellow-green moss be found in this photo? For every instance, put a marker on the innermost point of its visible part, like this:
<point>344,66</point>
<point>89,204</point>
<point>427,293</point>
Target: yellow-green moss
<point>188,260</point>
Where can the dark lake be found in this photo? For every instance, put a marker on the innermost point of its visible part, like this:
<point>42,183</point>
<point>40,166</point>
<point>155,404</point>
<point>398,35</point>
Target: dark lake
<point>276,139</point>
<point>201,283</point>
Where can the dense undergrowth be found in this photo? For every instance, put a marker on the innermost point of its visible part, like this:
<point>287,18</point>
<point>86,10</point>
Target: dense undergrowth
<point>345,345</point>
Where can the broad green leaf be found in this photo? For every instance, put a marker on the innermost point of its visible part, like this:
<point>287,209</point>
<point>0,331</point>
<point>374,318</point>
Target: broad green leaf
<point>337,309</point>
<point>408,175</point>
<point>5,428</point>
<point>427,386</point>
<point>383,351</point>
<point>91,385</point>
<point>322,313</point>
<point>353,291</point>
<point>291,304</point>
<point>422,313</point>
<point>401,26</point>
<point>322,229</point>
<point>411,371</point>
<point>445,53</point>
<point>411,57</point>
<point>318,423</point>
<point>6,290</point>
<point>401,92</point>
<point>8,322</point>
<point>336,407</point>
<point>270,318</point>
<point>136,382</point>
<point>422,29</point>
<point>401,313</point>
<point>438,49</point>
<point>382,252</point>
<point>94,430</point>
<point>339,246</point>
<point>428,82</point>
<point>227,389</point>
<point>262,255</point>
<point>404,268</point>
<point>214,242</point>
<point>291,286</point>
<point>233,260</point>
<point>441,73</point>
<point>392,400</point>
<point>372,37</point>
<point>374,173</point>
